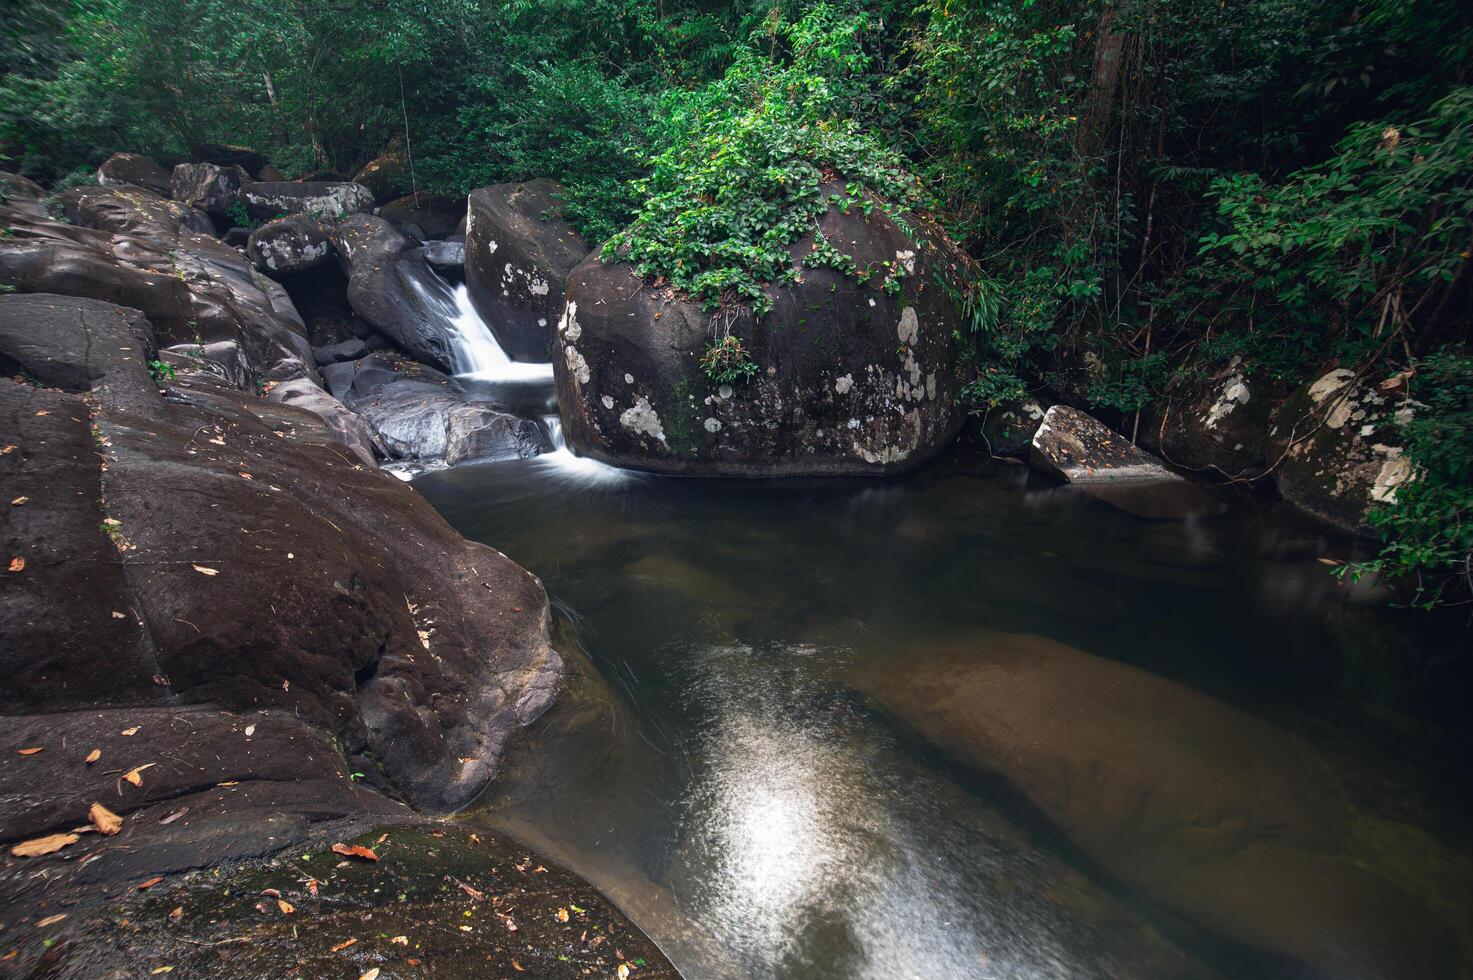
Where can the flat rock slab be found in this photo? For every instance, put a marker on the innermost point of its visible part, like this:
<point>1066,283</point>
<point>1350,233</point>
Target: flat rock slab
<point>1076,447</point>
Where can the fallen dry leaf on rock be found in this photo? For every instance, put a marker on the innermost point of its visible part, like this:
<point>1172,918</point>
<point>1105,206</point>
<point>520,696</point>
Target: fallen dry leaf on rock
<point>43,845</point>
<point>342,945</point>
<point>205,571</point>
<point>104,820</point>
<point>132,731</point>
<point>357,851</point>
<point>28,751</point>
<point>177,914</point>
<point>51,920</point>
<point>93,756</point>
<point>173,815</point>
<point>144,886</point>
<point>135,776</point>
<point>287,908</point>
<point>370,975</point>
<point>19,501</point>
<point>17,564</point>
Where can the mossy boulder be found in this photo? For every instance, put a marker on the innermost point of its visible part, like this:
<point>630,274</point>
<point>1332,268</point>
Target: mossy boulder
<point>847,374</point>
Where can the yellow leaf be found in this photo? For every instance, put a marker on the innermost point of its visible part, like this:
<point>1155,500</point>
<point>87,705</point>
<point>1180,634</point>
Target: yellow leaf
<point>131,731</point>
<point>135,776</point>
<point>287,908</point>
<point>104,820</point>
<point>43,845</point>
<point>18,501</point>
<point>562,915</point>
<point>160,969</point>
<point>93,756</point>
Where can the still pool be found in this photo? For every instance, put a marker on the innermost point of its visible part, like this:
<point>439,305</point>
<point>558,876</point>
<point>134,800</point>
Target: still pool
<point>725,774</point>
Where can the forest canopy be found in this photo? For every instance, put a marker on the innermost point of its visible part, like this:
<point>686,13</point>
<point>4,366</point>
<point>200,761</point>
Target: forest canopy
<point>1149,189</point>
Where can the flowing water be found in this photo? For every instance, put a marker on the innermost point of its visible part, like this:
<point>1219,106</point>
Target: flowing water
<point>726,780</point>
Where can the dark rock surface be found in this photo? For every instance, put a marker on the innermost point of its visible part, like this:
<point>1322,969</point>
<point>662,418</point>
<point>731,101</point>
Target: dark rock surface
<point>423,416</point>
<point>386,175</point>
<point>1217,815</point>
<point>445,256</point>
<point>518,255</point>
<point>265,200</point>
<point>435,217</point>
<point>1218,423</point>
<point>122,169</point>
<point>129,247</point>
<point>231,552</point>
<point>1075,447</point>
<point>288,245</point>
<point>392,287</point>
<point>1337,448</point>
<point>345,350</point>
<point>351,430</point>
<point>850,378</point>
<point>210,188</point>
<point>226,155</point>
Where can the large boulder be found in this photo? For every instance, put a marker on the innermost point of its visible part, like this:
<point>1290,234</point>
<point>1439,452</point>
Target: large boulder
<point>392,287</point>
<point>1075,447</point>
<point>386,175</point>
<point>849,377</point>
<point>289,245</point>
<point>351,430</point>
<point>226,155</point>
<point>127,246</point>
<point>124,169</point>
<point>433,217</point>
<point>210,188</point>
<point>1217,419</point>
<point>518,254</point>
<point>317,199</point>
<point>1209,811</point>
<point>422,416</point>
<point>228,553</point>
<point>1335,445</point>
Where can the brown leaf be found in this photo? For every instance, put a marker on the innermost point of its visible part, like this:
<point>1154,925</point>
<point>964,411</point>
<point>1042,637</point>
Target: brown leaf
<point>144,886</point>
<point>205,571</point>
<point>517,966</point>
<point>173,815</point>
<point>104,820</point>
<point>43,845</point>
<point>356,850</point>
<point>17,564</point>
<point>135,776</point>
<point>312,887</point>
<point>177,914</point>
<point>51,920</point>
<point>93,756</point>
<point>132,731</point>
<point>342,945</point>
<point>271,892</point>
<point>31,751</point>
<point>370,975</point>
<point>287,908</point>
<point>19,501</point>
<point>562,915</point>
<point>475,893</point>
<point>400,940</point>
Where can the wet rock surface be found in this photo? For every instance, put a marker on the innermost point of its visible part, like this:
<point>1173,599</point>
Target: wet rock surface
<point>518,255</point>
<point>288,245</point>
<point>420,415</point>
<point>210,188</point>
<point>849,378</point>
<point>1337,451</point>
<point>1214,814</point>
<point>1217,422</point>
<point>432,217</point>
<point>1075,447</point>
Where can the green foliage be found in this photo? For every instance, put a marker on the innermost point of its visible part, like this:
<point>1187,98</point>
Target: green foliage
<point>1428,529</point>
<point>160,371</point>
<point>744,169</point>
<point>727,362</point>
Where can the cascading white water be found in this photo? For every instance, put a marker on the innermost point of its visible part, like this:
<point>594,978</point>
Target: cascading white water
<point>477,354</point>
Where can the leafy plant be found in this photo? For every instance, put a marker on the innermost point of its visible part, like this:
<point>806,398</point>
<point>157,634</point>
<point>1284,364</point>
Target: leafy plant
<point>160,371</point>
<point>727,362</point>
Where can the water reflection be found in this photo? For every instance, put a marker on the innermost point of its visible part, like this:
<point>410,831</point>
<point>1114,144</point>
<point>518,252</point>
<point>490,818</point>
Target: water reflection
<point>775,815</point>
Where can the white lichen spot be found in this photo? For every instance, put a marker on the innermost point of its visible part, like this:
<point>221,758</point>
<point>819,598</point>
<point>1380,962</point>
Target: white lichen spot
<point>909,327</point>
<point>1329,384</point>
<point>1395,471</point>
<point>569,328</point>
<point>538,287</point>
<point>713,425</point>
<point>1234,393</point>
<point>907,260</point>
<point>577,364</point>
<point>931,386</point>
<point>842,385</point>
<point>1366,430</point>
<point>542,321</point>
<point>608,402</point>
<point>871,301</point>
<point>724,392</point>
<point>642,420</point>
<point>629,379</point>
<point>854,423</point>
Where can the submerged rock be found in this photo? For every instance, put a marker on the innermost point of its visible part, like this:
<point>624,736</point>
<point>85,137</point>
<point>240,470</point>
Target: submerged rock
<point>1211,812</point>
<point>122,169</point>
<point>518,254</point>
<point>1075,447</point>
<point>1337,448</point>
<point>848,377</point>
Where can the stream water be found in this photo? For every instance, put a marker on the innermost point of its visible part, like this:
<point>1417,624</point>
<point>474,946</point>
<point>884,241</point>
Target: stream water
<point>734,790</point>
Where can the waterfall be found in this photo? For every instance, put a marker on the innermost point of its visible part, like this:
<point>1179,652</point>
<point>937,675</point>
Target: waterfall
<point>476,352</point>
<point>554,424</point>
